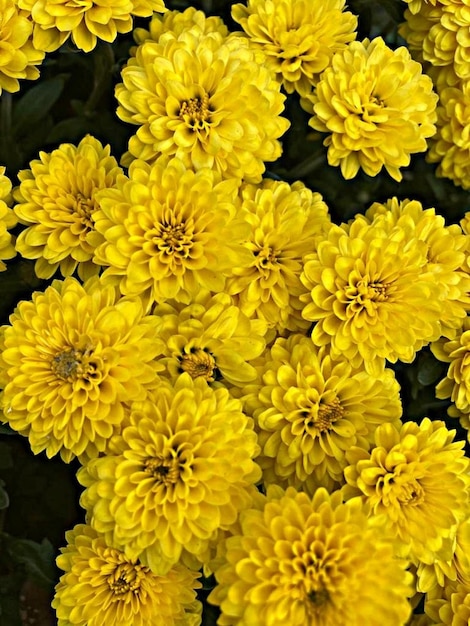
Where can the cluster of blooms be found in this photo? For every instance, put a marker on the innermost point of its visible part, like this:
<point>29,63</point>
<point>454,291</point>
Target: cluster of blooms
<point>216,351</point>
<point>438,34</point>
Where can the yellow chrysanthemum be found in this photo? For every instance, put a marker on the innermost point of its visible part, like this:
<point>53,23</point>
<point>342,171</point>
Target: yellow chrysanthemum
<point>286,222</point>
<point>210,338</point>
<point>73,357</point>
<point>18,56</point>
<point>416,476</point>
<point>456,352</point>
<point>309,409</point>
<point>415,5</point>
<point>317,561</point>
<point>7,220</point>
<point>371,294</point>
<point>450,148</point>
<point>449,606</point>
<point>169,232</point>
<point>206,99</point>
<point>446,254</point>
<point>102,586</point>
<point>85,22</point>
<point>180,473</point>
<point>298,37</point>
<point>56,199</point>
<point>377,106</point>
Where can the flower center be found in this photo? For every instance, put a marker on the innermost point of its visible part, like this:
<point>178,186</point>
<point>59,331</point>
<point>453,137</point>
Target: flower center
<point>172,239</point>
<point>73,364</point>
<point>365,295</point>
<point>125,578</point>
<point>199,362</point>
<point>195,112</point>
<point>266,258</point>
<point>84,208</point>
<point>164,470</point>
<point>318,597</point>
<point>328,413</point>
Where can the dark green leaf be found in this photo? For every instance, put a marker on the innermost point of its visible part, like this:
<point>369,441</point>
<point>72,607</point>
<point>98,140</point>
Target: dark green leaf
<point>35,104</point>
<point>37,558</point>
<point>4,499</point>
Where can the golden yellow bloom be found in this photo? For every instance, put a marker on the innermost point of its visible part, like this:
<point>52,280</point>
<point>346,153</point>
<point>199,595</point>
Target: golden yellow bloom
<point>210,338</point>
<point>455,351</point>
<point>169,231</point>
<point>206,99</point>
<point>446,254</point>
<point>73,357</point>
<point>309,409</point>
<point>57,201</point>
<point>416,476</point>
<point>7,220</point>
<point>317,561</point>
<point>415,5</point>
<point>286,222</point>
<point>298,37</point>
<point>449,606</point>
<point>18,56</point>
<point>377,106</point>
<point>102,586</point>
<point>451,145</point>
<point>180,473</point>
<point>371,293</point>
<point>85,22</point>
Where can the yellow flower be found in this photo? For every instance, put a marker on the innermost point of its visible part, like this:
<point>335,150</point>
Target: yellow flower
<point>85,22</point>
<point>309,409</point>
<point>102,586</point>
<point>7,220</point>
<point>57,201</point>
<point>370,294</point>
<point>206,99</point>
<point>377,106</point>
<point>18,56</point>
<point>415,5</point>
<point>298,37</point>
<point>286,221</point>
<point>449,606</point>
<point>180,472</point>
<point>73,357</point>
<point>169,232</point>
<point>416,476</point>
<point>455,351</point>
<point>210,338</point>
<point>446,254</point>
<point>451,146</point>
<point>317,561</point>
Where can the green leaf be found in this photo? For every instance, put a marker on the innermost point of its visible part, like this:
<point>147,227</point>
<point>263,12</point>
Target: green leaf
<point>6,430</point>
<point>430,370</point>
<point>35,104</point>
<point>37,558</point>
<point>4,499</point>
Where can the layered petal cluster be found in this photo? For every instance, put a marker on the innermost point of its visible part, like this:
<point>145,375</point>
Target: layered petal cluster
<point>206,99</point>
<point>309,410</point>
<point>179,474</point>
<point>315,561</point>
<point>286,221</point>
<point>418,477</point>
<point>298,37</point>
<point>169,231</point>
<point>449,606</point>
<point>100,585</point>
<point>210,338</point>
<point>7,220</point>
<point>377,106</point>
<point>450,148</point>
<point>18,56</point>
<point>56,200</point>
<point>371,293</point>
<point>446,254</point>
<point>455,351</point>
<point>84,22</point>
<point>72,358</point>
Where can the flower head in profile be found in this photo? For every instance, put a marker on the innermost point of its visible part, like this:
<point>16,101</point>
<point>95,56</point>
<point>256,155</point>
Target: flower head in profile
<point>169,231</point>
<point>286,222</point>
<point>18,57</point>
<point>209,338</point>
<point>377,106</point>
<point>311,561</point>
<point>56,200</point>
<point>72,358</point>
<point>206,99</point>
<point>84,22</point>
<point>180,472</point>
<point>309,409</point>
<point>298,37</point>
<point>7,220</point>
<point>371,294</point>
<point>417,476</point>
<point>100,585</point>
